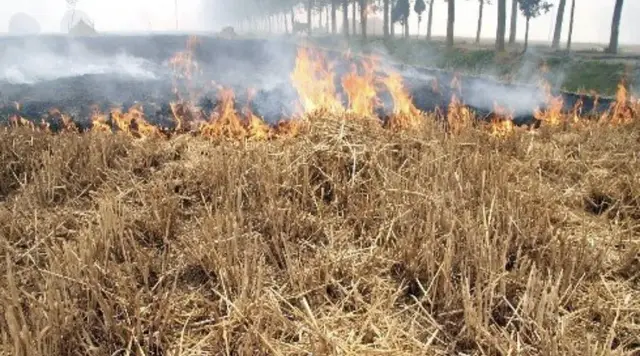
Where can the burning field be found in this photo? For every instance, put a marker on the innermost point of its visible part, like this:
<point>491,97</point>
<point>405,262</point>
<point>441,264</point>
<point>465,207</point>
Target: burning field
<point>350,221</point>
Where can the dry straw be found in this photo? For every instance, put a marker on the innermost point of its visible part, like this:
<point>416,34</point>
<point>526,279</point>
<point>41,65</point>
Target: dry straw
<point>348,239</point>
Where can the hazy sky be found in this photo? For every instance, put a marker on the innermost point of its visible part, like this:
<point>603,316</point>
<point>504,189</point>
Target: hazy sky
<point>593,17</point>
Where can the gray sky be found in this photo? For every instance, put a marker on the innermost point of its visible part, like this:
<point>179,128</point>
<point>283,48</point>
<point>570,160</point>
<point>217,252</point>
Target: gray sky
<point>593,17</point>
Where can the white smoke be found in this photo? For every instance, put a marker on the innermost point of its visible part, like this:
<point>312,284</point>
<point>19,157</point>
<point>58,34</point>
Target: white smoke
<point>30,64</point>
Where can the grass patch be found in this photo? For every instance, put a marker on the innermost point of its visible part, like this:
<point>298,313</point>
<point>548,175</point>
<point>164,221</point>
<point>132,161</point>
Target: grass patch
<point>600,76</point>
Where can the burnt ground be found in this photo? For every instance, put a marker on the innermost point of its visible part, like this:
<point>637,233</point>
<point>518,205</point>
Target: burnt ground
<point>78,84</point>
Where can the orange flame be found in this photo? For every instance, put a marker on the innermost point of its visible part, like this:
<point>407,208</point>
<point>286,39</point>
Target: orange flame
<point>133,122</point>
<point>459,117</point>
<point>185,67</point>
<point>313,80</point>
<point>622,111</point>
<point>256,127</point>
<point>99,121</point>
<point>67,124</point>
<point>501,124</point>
<point>361,90</point>
<point>224,121</point>
<point>553,115</point>
<point>405,114</point>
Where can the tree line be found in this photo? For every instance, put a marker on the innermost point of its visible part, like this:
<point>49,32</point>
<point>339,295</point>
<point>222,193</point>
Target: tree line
<point>265,14</point>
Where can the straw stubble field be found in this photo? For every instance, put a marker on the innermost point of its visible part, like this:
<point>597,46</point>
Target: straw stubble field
<point>348,239</point>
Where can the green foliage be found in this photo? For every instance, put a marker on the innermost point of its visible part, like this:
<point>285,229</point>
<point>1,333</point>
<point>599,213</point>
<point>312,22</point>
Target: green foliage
<point>534,8</point>
<point>400,12</point>
<point>419,7</point>
<point>598,75</point>
<point>246,9</point>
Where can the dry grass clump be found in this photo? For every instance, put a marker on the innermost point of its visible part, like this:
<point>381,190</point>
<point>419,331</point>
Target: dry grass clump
<point>347,240</point>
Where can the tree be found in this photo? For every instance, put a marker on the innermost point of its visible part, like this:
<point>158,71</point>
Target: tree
<point>481,4</point>
<point>573,11</point>
<point>451,18</point>
<point>353,18</point>
<point>615,27</point>
<point>334,10</point>
<point>345,18</point>
<point>502,25</point>
<point>400,13</point>
<point>385,17</point>
<point>392,27</point>
<point>263,14</point>
<point>363,17</point>
<point>23,24</point>
<point>514,22</point>
<point>309,9</point>
<point>73,3</point>
<point>430,19</point>
<point>532,9</point>
<point>419,7</point>
<point>326,14</point>
<point>558,28</point>
<point>406,24</point>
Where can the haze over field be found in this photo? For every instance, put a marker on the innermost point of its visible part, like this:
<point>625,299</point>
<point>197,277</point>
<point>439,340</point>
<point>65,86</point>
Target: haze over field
<point>593,17</point>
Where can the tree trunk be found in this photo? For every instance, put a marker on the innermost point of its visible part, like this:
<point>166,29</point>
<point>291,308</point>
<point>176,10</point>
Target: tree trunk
<point>334,10</point>
<point>175,9</point>
<point>385,18</point>
<point>430,19</point>
<point>392,26</point>
<point>363,18</point>
<point>354,28</point>
<point>286,26</point>
<point>451,19</point>
<point>573,10</point>
<point>526,36</point>
<point>326,18</point>
<point>269,24</point>
<point>309,7</point>
<point>514,22</point>
<point>345,18</point>
<point>406,26</point>
<point>502,25</point>
<point>293,21</point>
<point>480,10</point>
<point>558,28</point>
<point>615,27</point>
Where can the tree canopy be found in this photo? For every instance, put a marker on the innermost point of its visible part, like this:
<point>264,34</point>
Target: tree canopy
<point>400,12</point>
<point>419,7</point>
<point>23,24</point>
<point>534,8</point>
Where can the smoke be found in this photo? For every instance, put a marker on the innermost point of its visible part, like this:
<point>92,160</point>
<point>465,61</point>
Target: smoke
<point>74,72</point>
<point>518,99</point>
<point>31,63</point>
<point>136,68</point>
